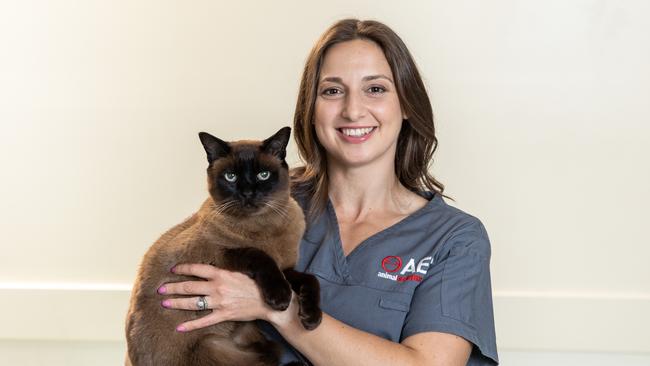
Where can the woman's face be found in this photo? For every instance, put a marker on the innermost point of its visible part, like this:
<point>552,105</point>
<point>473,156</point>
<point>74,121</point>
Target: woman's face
<point>357,113</point>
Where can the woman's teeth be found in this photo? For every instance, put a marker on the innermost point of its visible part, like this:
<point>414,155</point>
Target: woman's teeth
<point>356,132</point>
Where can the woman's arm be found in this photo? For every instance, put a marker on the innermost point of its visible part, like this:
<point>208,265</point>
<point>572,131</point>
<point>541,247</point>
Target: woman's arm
<point>234,296</point>
<point>336,343</point>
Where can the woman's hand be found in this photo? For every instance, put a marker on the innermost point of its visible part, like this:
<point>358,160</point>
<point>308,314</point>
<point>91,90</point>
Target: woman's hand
<point>230,295</point>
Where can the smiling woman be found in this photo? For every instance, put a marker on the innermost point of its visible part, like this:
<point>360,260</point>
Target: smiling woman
<point>404,277</point>
<point>358,114</point>
<point>363,71</point>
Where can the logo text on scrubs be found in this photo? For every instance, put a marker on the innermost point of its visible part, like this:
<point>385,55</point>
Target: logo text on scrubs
<point>410,272</point>
<point>392,263</point>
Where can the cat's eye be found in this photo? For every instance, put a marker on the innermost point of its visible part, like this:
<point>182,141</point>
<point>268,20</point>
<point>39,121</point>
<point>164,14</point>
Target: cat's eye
<point>230,177</point>
<point>263,175</point>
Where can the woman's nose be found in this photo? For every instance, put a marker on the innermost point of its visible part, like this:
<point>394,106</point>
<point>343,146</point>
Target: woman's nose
<point>354,108</point>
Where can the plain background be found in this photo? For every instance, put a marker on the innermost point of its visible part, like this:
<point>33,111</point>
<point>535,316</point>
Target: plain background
<point>542,112</point>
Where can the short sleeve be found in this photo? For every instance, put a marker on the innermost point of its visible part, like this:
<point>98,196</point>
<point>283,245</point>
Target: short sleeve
<point>456,295</point>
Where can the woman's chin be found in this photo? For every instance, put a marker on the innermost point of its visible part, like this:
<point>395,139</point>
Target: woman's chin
<point>356,161</point>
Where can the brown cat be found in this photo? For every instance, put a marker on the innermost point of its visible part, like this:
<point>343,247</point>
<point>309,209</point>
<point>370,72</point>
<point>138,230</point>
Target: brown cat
<point>250,224</point>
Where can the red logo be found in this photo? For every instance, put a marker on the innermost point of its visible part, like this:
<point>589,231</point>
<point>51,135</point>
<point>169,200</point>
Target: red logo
<point>392,263</point>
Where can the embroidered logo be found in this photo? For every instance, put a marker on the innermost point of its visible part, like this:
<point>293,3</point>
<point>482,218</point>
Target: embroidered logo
<point>409,272</point>
<point>392,263</point>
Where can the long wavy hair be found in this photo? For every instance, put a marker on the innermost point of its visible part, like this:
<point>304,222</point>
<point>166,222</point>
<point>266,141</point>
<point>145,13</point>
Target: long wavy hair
<point>417,140</point>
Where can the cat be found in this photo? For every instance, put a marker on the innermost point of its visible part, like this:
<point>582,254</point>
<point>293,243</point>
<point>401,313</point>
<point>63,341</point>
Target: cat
<point>249,223</point>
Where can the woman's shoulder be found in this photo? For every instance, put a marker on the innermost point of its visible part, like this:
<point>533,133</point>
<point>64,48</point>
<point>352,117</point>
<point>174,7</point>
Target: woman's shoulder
<point>458,229</point>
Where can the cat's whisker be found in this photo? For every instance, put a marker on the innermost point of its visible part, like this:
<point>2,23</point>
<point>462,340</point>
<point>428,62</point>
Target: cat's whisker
<point>283,212</point>
<point>270,207</point>
<point>220,209</point>
<point>276,211</point>
<point>279,206</point>
<point>279,210</point>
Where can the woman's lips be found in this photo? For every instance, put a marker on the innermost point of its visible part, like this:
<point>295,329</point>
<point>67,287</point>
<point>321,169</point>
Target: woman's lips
<point>355,139</point>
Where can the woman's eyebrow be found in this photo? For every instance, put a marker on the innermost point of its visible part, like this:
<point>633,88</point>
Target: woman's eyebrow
<point>378,76</point>
<point>336,79</point>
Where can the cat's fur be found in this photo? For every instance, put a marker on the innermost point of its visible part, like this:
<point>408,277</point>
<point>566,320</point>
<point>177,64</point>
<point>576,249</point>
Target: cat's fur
<point>233,230</point>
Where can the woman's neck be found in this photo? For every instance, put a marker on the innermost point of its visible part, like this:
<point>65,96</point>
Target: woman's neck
<point>357,192</point>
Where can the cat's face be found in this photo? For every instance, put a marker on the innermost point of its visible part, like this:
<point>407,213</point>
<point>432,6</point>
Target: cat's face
<point>247,177</point>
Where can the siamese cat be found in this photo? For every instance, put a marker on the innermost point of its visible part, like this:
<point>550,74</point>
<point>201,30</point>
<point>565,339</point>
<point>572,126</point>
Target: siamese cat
<point>250,224</point>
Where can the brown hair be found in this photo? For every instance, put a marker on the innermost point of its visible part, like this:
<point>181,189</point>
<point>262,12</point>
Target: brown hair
<point>417,140</point>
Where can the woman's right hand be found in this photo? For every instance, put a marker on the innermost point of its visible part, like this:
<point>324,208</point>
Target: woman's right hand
<point>230,295</point>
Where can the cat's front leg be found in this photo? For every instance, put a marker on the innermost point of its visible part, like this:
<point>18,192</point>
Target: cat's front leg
<point>259,266</point>
<point>306,286</point>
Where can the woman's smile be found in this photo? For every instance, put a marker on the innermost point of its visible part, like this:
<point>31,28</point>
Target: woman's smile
<point>355,135</point>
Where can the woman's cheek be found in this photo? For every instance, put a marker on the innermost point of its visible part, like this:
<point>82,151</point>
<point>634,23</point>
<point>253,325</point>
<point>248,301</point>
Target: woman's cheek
<point>321,134</point>
<point>385,110</point>
<point>326,112</point>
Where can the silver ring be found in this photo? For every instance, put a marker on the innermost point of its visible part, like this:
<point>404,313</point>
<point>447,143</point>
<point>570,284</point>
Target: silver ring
<point>202,303</point>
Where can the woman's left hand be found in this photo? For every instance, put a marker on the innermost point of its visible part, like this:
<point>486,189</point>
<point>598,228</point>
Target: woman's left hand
<point>230,295</point>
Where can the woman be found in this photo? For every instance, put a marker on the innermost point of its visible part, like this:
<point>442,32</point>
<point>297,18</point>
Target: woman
<point>404,277</point>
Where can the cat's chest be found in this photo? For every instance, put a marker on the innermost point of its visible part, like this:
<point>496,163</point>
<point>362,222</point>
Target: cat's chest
<point>210,248</point>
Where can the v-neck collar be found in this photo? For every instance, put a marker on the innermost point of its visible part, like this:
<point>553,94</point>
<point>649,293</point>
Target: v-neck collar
<point>342,259</point>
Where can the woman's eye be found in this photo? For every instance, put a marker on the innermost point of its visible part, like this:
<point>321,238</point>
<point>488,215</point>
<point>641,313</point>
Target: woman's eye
<point>230,177</point>
<point>376,89</point>
<point>263,175</point>
<point>331,91</point>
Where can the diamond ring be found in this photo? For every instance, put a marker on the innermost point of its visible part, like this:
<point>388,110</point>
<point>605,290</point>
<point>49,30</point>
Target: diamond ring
<point>202,303</point>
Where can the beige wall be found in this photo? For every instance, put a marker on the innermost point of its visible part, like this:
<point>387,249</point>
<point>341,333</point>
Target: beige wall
<point>543,118</point>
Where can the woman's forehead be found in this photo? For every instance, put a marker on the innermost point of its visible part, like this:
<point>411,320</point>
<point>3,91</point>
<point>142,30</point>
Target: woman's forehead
<point>358,59</point>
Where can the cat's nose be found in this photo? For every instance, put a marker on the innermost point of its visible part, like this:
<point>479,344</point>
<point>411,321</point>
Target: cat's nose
<point>247,193</point>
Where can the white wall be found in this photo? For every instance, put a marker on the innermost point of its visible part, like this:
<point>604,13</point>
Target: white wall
<point>542,112</point>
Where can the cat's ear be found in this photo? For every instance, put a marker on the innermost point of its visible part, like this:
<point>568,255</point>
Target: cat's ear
<point>277,144</point>
<point>216,148</point>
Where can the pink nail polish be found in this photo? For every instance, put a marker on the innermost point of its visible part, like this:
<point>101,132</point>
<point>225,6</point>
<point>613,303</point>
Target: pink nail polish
<point>181,328</point>
<point>173,270</point>
<point>162,290</point>
<point>167,303</point>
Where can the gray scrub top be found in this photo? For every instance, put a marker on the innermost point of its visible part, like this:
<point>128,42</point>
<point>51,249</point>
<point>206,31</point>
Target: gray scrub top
<point>428,272</point>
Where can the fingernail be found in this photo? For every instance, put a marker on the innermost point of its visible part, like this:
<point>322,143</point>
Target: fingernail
<point>181,328</point>
<point>167,303</point>
<point>173,270</point>
<point>162,290</point>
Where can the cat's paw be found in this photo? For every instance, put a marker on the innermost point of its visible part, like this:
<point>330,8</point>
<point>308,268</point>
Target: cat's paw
<point>310,320</point>
<point>278,297</point>
<point>310,314</point>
